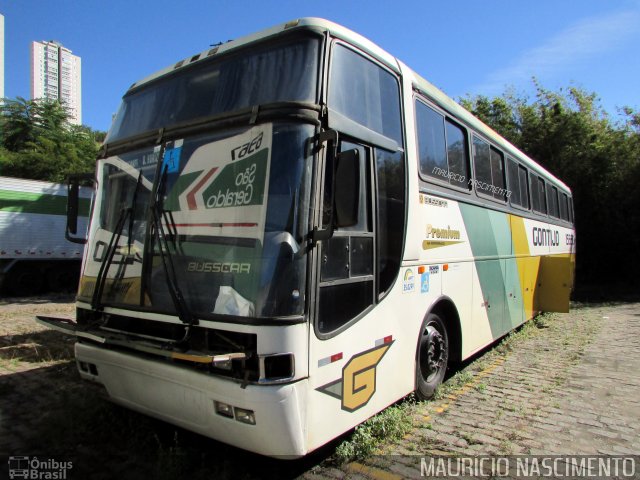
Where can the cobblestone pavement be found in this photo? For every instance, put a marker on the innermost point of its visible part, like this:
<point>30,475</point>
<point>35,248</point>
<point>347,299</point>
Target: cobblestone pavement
<point>570,385</point>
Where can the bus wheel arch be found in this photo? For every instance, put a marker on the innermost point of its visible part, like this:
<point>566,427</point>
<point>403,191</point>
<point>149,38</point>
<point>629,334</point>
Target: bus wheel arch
<point>438,345</point>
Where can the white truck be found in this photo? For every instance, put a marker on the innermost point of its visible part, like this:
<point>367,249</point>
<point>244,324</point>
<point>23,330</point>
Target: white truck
<point>34,253</point>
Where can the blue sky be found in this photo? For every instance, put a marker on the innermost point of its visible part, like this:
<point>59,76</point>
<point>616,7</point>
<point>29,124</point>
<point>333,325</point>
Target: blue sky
<point>463,47</point>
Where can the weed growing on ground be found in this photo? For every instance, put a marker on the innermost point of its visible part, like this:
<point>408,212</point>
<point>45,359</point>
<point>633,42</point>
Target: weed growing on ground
<point>457,381</point>
<point>506,447</point>
<point>470,439</point>
<point>395,421</point>
<point>390,424</point>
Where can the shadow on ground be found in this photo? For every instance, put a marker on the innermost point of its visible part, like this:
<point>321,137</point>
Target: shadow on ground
<point>49,412</point>
<point>62,297</point>
<point>36,347</point>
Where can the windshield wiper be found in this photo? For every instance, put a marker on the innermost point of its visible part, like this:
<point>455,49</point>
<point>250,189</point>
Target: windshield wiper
<point>158,214</point>
<point>125,213</point>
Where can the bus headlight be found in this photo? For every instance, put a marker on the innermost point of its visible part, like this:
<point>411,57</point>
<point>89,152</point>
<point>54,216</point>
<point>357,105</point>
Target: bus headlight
<point>240,414</point>
<point>277,367</point>
<point>224,409</point>
<point>245,416</point>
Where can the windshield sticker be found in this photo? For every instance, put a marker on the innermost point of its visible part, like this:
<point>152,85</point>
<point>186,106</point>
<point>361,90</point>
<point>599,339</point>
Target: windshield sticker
<point>171,158</point>
<point>223,187</point>
<point>239,184</point>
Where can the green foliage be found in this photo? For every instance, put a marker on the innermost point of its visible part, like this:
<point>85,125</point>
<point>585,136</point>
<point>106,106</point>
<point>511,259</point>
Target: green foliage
<point>38,142</point>
<point>570,134</point>
<point>390,424</point>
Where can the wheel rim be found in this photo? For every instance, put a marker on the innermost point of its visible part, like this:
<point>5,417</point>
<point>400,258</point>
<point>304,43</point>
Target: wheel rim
<point>433,353</point>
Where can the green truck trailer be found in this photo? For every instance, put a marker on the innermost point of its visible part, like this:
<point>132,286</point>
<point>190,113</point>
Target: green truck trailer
<point>35,256</point>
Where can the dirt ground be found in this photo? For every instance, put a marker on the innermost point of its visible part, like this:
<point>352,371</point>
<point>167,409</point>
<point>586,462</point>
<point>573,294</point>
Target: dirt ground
<point>47,412</point>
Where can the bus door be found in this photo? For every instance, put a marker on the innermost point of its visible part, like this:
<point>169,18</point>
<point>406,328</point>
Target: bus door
<point>344,294</point>
<point>357,262</point>
<point>346,284</point>
<point>355,268</point>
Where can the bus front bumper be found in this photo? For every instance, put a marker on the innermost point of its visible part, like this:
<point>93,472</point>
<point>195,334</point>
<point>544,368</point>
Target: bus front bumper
<point>188,398</point>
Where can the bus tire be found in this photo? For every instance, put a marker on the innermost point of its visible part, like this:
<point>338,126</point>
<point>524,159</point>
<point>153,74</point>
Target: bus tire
<point>432,356</point>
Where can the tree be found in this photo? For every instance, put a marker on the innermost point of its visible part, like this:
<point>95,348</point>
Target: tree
<point>573,137</point>
<point>17,124</point>
<point>38,142</point>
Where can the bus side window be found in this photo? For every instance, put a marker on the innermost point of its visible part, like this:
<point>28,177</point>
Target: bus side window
<point>365,92</point>
<point>391,216</point>
<point>518,184</point>
<point>571,218</point>
<point>489,169</point>
<point>431,142</point>
<point>514,182</point>
<point>538,194</point>
<point>564,207</point>
<point>457,155</point>
<point>552,201</point>
<point>524,187</point>
<point>482,164</point>
<point>497,174</point>
<point>442,147</point>
<point>355,264</point>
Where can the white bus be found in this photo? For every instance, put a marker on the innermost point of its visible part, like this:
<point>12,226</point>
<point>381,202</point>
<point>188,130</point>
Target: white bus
<point>293,230</point>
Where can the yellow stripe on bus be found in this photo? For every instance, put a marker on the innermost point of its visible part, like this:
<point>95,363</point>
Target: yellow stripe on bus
<point>528,267</point>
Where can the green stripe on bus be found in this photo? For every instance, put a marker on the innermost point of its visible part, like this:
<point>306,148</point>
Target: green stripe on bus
<point>490,238</point>
<point>42,203</point>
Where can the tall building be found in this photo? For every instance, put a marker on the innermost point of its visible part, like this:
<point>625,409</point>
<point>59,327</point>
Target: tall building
<point>56,75</point>
<point>1,57</point>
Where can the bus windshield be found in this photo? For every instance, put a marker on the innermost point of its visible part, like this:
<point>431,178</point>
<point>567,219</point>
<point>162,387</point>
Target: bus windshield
<point>264,74</point>
<point>211,222</point>
<point>222,218</point>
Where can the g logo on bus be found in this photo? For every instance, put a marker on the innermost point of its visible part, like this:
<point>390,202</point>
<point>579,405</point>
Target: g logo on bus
<point>358,382</point>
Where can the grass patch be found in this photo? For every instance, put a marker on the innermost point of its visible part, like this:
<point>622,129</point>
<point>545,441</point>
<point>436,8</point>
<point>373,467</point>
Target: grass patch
<point>457,381</point>
<point>390,424</point>
<point>543,320</point>
<point>506,447</point>
<point>37,347</point>
<point>470,439</point>
<point>481,387</point>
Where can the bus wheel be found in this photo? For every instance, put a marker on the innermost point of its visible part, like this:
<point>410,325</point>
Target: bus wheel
<point>432,357</point>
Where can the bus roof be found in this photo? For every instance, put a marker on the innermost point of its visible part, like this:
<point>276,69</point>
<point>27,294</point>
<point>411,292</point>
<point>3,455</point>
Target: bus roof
<point>425,87</point>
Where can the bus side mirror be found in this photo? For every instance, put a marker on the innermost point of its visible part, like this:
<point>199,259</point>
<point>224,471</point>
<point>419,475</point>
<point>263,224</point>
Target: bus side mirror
<point>73,206</point>
<point>347,188</point>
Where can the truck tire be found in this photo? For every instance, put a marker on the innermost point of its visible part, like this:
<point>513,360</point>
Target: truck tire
<point>63,277</point>
<point>25,280</point>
